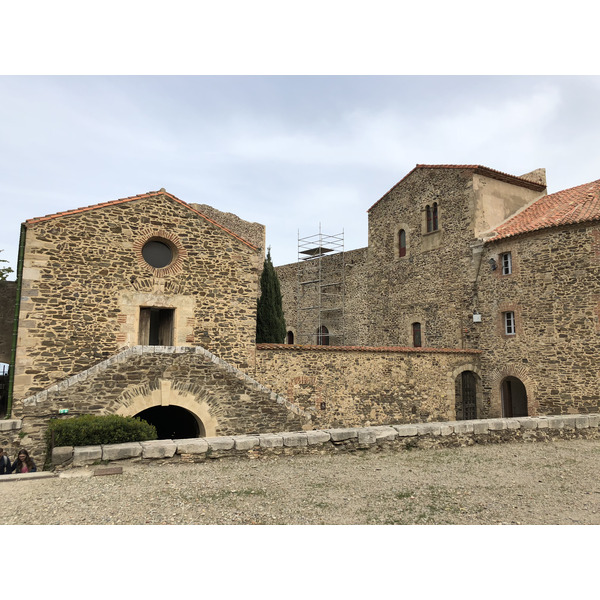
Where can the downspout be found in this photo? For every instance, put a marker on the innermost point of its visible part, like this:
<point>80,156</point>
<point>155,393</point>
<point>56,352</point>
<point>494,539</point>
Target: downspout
<point>13,353</point>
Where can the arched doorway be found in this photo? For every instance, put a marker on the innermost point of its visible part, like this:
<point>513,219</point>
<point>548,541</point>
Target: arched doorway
<point>173,422</point>
<point>466,388</point>
<point>514,397</point>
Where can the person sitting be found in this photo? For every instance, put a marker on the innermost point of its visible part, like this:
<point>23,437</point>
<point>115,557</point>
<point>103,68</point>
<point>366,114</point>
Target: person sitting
<point>24,463</point>
<point>5,466</point>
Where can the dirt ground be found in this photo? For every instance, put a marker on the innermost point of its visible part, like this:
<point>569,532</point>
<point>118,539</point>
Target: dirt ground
<point>517,483</point>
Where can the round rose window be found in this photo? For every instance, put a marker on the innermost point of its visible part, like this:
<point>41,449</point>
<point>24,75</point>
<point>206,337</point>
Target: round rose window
<point>157,254</point>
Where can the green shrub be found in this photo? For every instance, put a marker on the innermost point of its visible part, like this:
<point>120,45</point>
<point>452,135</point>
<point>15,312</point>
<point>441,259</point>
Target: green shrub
<point>92,430</point>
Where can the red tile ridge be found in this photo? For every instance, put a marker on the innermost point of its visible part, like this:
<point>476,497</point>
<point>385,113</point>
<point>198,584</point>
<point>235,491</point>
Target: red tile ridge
<point>399,349</point>
<point>480,169</point>
<point>75,211</point>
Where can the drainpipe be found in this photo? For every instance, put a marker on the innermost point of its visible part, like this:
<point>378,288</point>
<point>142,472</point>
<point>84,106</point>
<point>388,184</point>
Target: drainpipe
<point>13,353</point>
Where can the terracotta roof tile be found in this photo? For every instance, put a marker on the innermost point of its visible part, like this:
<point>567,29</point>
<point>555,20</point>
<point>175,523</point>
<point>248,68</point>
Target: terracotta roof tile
<point>401,349</point>
<point>30,222</point>
<point>480,169</point>
<point>574,205</point>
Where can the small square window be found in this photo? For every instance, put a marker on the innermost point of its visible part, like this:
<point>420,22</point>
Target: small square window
<point>509,323</point>
<point>506,262</point>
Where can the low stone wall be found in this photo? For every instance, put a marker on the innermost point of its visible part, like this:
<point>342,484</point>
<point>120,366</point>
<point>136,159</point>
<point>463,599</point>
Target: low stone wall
<point>352,386</point>
<point>394,437</point>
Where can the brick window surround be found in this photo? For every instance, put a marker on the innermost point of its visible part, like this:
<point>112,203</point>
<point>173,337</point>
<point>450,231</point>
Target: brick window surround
<point>165,237</point>
<point>503,310</point>
<point>498,256</point>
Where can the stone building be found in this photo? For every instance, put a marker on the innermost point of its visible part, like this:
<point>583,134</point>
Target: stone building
<point>477,296</point>
<point>463,256</point>
<point>149,272</point>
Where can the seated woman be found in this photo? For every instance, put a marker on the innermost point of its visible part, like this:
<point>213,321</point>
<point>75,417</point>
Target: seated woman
<point>24,463</point>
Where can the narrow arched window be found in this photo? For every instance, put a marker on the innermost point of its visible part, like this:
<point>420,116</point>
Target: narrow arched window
<point>323,336</point>
<point>416,334</point>
<point>434,217</point>
<point>429,222</point>
<point>290,337</point>
<point>402,243</point>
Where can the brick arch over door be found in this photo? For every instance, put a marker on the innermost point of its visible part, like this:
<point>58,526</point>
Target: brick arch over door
<point>496,379</point>
<point>143,397</point>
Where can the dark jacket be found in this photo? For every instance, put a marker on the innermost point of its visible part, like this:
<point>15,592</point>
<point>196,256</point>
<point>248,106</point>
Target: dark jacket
<point>5,466</point>
<point>13,469</point>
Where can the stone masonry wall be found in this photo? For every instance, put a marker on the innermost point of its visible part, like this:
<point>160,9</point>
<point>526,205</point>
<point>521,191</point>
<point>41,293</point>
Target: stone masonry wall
<point>85,280</point>
<point>554,291</point>
<point>224,399</point>
<point>252,232</point>
<point>349,267</point>
<point>347,387</point>
<point>434,283</point>
<point>8,296</point>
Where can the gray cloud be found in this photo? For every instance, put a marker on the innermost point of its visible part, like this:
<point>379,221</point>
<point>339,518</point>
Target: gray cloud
<point>291,152</point>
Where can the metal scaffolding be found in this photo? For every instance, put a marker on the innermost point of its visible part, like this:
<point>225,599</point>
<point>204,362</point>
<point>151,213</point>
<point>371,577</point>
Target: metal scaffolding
<point>321,289</point>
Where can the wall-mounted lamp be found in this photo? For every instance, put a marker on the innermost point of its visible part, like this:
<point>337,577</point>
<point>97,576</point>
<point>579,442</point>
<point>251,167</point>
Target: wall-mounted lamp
<point>493,264</point>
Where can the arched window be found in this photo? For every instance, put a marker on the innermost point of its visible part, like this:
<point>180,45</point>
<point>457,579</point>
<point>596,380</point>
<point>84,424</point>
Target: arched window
<point>290,337</point>
<point>402,243</point>
<point>432,217</point>
<point>323,336</point>
<point>416,333</point>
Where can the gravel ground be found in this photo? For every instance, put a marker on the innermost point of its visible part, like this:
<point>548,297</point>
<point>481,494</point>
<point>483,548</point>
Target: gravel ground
<point>535,483</point>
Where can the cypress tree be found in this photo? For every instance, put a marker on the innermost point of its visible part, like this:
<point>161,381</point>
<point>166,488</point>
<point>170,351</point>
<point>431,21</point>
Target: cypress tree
<point>270,322</point>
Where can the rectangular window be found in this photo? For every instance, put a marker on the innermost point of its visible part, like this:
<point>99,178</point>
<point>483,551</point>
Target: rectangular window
<point>506,261</point>
<point>156,326</point>
<point>509,323</point>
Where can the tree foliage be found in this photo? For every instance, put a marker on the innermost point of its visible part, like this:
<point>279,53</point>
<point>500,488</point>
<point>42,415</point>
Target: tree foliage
<point>270,322</point>
<point>4,271</point>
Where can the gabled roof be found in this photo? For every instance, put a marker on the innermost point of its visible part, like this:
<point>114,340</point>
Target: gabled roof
<point>476,169</point>
<point>574,205</point>
<point>162,192</point>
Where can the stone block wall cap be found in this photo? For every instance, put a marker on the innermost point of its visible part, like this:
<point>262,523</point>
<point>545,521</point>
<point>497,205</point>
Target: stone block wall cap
<point>191,446</point>
<point>295,439</point>
<point>10,424</point>
<point>158,443</point>
<point>245,442</point>
<point>317,437</point>
<point>339,435</point>
<point>220,443</point>
<point>406,430</point>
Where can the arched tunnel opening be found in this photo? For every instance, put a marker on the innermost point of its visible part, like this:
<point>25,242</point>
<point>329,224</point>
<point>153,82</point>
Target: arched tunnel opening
<point>173,422</point>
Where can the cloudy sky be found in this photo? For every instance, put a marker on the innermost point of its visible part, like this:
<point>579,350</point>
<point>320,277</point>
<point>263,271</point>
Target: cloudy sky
<point>291,152</point>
